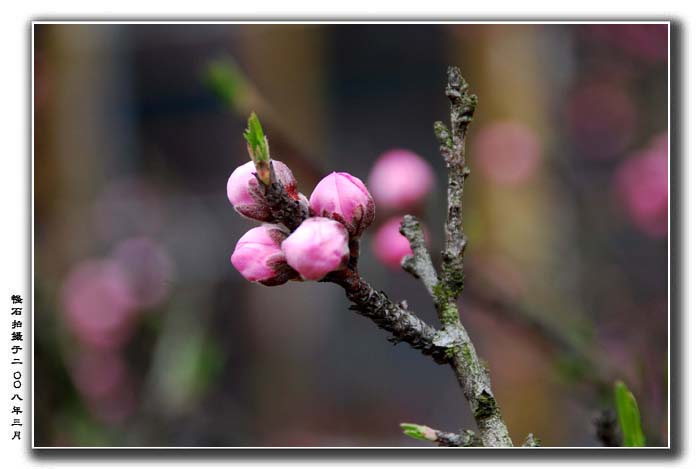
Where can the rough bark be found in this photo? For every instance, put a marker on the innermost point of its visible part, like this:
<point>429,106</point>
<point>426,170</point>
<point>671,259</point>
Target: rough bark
<point>464,439</point>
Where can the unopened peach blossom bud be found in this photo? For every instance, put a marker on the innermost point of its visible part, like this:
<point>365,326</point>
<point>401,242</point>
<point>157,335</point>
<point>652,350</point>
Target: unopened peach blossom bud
<point>258,256</point>
<point>344,198</point>
<point>317,247</point>
<point>247,197</point>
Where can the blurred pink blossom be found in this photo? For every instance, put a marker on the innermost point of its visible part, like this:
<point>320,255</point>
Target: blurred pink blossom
<point>644,41</point>
<point>116,408</point>
<point>98,306</point>
<point>344,198</point>
<point>389,245</point>
<point>149,269</point>
<point>98,373</point>
<point>602,118</point>
<point>641,182</point>
<point>507,152</point>
<point>103,380</point>
<point>400,179</point>
<point>317,247</point>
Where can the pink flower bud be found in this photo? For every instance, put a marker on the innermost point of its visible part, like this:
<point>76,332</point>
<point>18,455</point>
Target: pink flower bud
<point>258,256</point>
<point>389,245</point>
<point>642,185</point>
<point>244,191</point>
<point>400,179</point>
<point>344,198</point>
<point>318,246</point>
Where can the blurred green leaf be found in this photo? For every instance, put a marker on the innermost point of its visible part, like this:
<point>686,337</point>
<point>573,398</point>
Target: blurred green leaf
<point>83,430</point>
<point>628,416</point>
<point>569,368</point>
<point>194,364</point>
<point>186,359</point>
<point>225,80</point>
<point>211,363</point>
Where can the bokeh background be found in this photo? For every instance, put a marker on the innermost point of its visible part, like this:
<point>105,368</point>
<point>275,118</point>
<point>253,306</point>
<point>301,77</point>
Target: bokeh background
<point>145,335</point>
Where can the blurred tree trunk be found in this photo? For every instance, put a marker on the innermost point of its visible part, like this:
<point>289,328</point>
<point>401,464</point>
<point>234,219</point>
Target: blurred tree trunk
<point>85,99</point>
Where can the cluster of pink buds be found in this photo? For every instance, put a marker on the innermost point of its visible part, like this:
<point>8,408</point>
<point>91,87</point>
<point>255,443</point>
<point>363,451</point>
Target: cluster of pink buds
<point>341,208</point>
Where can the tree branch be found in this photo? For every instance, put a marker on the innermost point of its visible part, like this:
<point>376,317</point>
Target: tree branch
<point>451,141</point>
<point>466,438</point>
<point>403,324</point>
<point>418,264</point>
<point>470,371</point>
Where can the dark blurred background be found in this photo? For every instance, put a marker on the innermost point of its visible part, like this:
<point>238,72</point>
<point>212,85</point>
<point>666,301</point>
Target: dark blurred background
<point>145,335</point>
